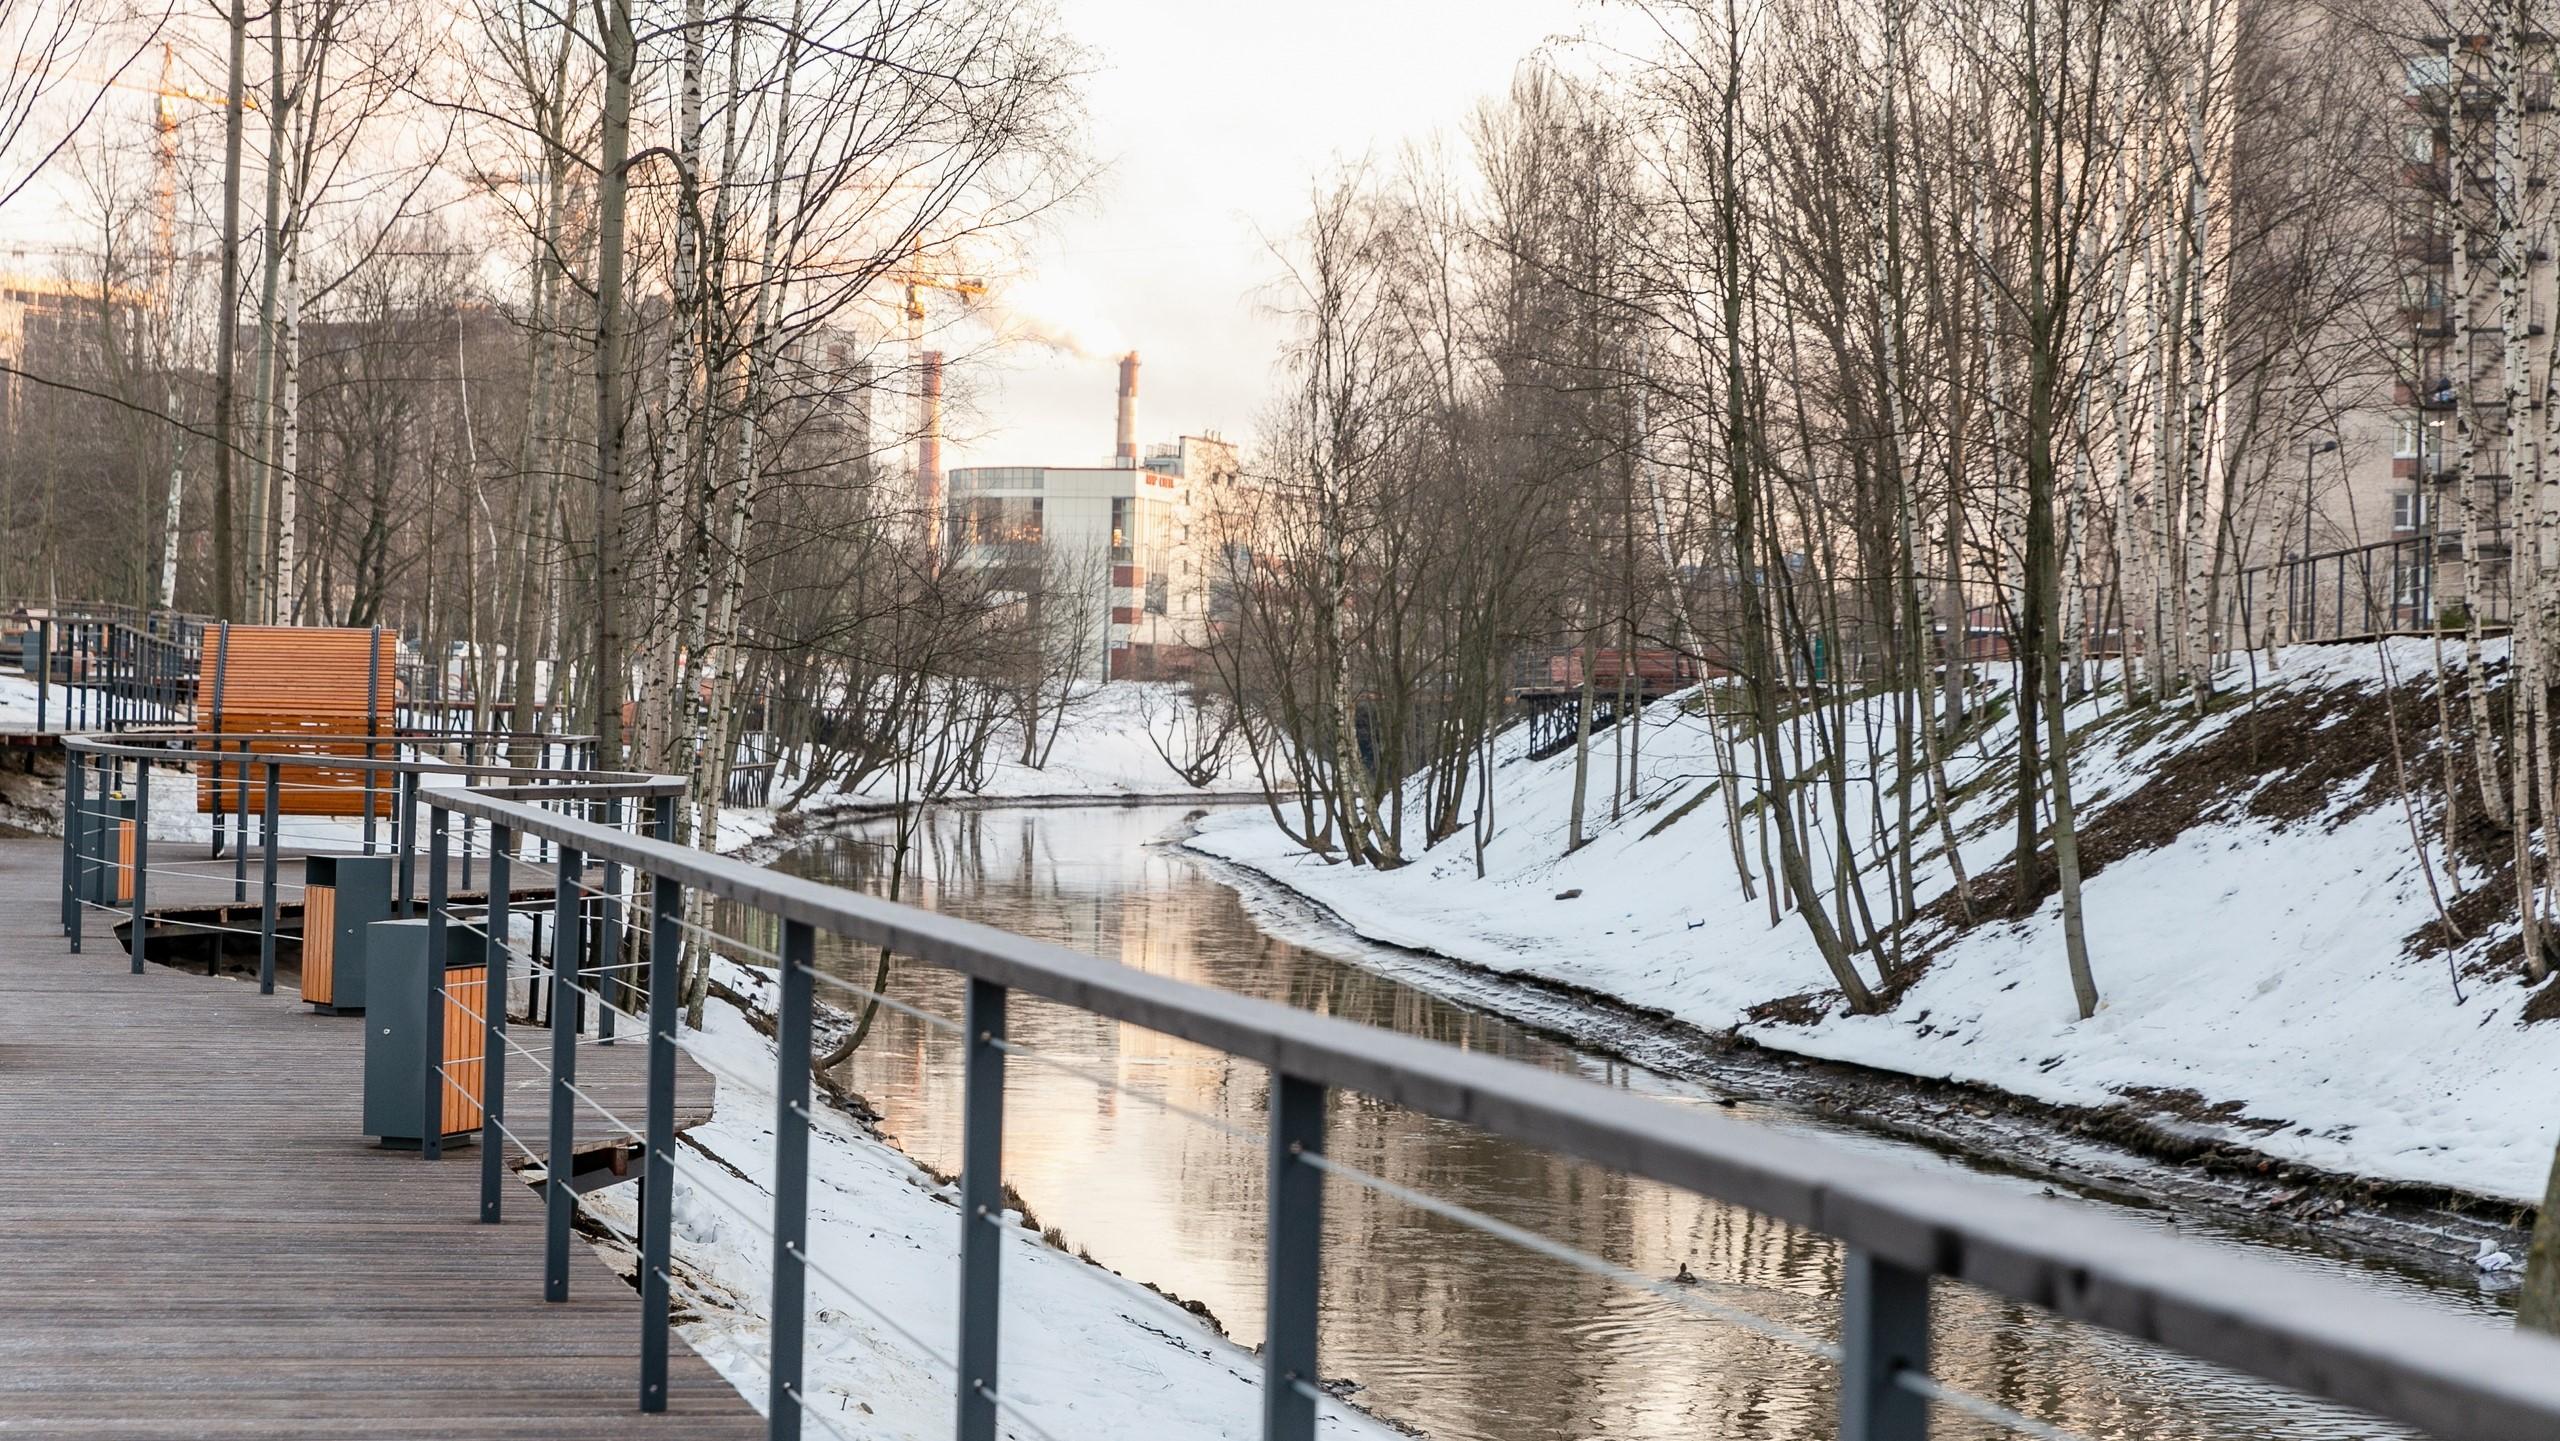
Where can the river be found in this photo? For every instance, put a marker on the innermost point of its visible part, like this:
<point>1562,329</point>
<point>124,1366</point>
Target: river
<point>1438,1326</point>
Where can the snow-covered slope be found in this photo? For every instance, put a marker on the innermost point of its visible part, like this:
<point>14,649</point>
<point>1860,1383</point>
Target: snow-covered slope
<point>2260,926</point>
<point>1103,752</point>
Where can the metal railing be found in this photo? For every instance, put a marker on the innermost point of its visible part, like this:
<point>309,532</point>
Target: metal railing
<point>2392,587</point>
<point>1902,1229</point>
<point>110,667</point>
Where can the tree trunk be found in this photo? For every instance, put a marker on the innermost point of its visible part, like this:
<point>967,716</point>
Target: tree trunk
<point>612,578</point>
<point>227,344</point>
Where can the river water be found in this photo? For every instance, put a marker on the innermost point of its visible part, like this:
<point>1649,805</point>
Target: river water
<point>1439,1326</point>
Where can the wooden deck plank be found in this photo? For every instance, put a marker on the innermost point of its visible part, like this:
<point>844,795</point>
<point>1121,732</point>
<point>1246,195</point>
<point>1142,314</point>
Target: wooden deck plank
<point>196,1240</point>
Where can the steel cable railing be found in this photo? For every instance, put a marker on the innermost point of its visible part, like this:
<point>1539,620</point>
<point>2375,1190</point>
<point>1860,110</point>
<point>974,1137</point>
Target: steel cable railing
<point>842,1287</point>
<point>618,897</point>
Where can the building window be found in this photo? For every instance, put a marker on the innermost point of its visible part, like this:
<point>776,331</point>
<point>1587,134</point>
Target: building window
<point>2409,511</point>
<point>2418,145</point>
<point>2404,437</point>
<point>2429,72</point>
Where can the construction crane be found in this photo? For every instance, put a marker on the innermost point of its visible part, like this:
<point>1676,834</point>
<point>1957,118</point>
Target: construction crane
<point>166,95</point>
<point>917,280</point>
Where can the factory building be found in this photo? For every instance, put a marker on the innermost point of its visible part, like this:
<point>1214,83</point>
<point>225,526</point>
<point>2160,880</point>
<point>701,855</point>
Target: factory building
<point>1119,537</point>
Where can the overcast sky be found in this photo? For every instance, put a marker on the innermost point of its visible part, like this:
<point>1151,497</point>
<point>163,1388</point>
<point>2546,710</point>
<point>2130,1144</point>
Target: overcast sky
<point>1212,118</point>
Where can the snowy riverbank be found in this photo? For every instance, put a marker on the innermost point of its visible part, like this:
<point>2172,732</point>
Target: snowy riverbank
<point>1103,754</point>
<point>2261,930</point>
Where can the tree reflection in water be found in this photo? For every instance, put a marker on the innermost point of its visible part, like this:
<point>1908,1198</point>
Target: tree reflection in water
<point>1442,1327</point>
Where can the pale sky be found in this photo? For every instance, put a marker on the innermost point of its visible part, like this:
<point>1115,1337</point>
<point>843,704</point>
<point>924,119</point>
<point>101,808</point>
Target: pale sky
<point>1211,120</point>
<point>1213,117</point>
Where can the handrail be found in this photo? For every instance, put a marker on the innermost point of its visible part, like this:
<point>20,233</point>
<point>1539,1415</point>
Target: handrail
<point>2447,1375</point>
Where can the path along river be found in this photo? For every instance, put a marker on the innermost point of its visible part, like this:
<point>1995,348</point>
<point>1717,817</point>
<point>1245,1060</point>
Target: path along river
<point>1441,1327</point>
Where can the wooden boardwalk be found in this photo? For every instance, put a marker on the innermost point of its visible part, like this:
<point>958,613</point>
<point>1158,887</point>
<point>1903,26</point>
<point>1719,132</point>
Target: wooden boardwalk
<point>197,1240</point>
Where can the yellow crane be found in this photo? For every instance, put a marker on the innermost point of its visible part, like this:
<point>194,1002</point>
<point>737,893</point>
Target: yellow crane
<point>917,280</point>
<point>166,95</point>
<point>166,92</point>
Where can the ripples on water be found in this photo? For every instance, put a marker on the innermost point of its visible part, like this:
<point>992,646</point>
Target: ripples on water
<point>1442,1327</point>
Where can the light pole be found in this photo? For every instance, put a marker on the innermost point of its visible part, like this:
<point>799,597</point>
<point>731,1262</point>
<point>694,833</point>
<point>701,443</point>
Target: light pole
<point>2302,572</point>
<point>2310,450</point>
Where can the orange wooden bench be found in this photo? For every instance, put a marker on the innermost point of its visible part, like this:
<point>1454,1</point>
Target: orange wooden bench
<point>335,684</point>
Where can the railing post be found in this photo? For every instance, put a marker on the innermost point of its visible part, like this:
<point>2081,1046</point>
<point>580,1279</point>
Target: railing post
<point>790,1180</point>
<point>240,858</point>
<point>557,1198</point>
<point>267,885</point>
<point>75,819</point>
<point>141,853</point>
<point>658,1189</point>
<point>981,1210</point>
<point>44,674</point>
<point>470,776</point>
<point>612,980</point>
<point>1884,1332</point>
<point>1296,1248</point>
<point>406,789</point>
<point>493,1027</point>
<point>373,721</point>
<point>431,1134</point>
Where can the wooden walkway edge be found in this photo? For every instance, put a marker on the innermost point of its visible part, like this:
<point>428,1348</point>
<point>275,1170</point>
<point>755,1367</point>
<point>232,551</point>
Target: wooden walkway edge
<point>197,1240</point>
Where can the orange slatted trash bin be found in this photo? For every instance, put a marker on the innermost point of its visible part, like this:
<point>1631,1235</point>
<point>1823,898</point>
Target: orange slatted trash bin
<point>341,896</point>
<point>398,1045</point>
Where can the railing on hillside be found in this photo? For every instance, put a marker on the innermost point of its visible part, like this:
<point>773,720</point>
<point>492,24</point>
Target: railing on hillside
<point>601,837</point>
<point>751,770</point>
<point>2392,587</point>
<point>108,667</point>
<point>466,717</point>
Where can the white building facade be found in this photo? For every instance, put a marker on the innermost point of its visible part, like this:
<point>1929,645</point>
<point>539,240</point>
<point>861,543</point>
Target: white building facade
<point>1120,536</point>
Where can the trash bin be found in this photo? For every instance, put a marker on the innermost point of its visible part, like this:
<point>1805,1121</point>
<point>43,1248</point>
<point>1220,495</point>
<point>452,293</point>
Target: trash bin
<point>396,1051</point>
<point>341,895</point>
<point>105,836</point>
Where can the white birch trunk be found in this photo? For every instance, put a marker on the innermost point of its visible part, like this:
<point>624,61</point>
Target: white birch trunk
<point>2484,740</point>
<point>2196,485</point>
<point>288,594</point>
<point>663,690</point>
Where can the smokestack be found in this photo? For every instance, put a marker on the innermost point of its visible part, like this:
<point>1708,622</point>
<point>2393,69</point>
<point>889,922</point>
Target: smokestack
<point>859,417</point>
<point>1125,453</point>
<point>929,455</point>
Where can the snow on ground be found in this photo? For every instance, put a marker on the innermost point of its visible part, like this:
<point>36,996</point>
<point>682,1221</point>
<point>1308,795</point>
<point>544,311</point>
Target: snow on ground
<point>1103,753</point>
<point>59,707</point>
<point>1086,1355</point>
<point>2249,959</point>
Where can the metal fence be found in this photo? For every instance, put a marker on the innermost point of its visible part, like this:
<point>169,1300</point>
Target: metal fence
<point>109,667</point>
<point>2393,587</point>
<point>602,838</point>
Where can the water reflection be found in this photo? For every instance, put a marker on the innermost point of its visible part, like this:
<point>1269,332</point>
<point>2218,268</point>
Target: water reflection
<point>1459,1334</point>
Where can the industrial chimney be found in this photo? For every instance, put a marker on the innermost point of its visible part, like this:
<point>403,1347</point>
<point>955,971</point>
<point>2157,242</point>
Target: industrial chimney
<point>929,456</point>
<point>1124,454</point>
